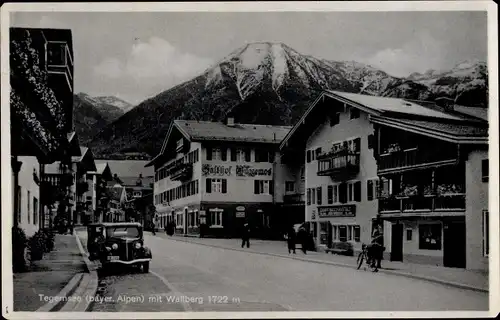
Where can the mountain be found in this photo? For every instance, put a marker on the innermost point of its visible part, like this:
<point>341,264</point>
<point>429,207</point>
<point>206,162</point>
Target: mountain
<point>92,114</point>
<point>269,83</point>
<point>116,102</point>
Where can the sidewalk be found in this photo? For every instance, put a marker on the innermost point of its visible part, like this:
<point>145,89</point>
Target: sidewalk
<point>49,275</point>
<point>466,279</point>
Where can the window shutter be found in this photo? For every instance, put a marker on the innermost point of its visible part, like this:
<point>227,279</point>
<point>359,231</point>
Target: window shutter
<point>371,141</point>
<point>343,192</point>
<point>256,186</point>
<point>369,190</point>
<point>319,195</point>
<point>271,187</point>
<point>308,196</point>
<point>247,155</point>
<point>224,186</point>
<point>209,153</point>
<point>223,152</point>
<point>357,144</point>
<point>357,191</point>
<point>208,186</point>
<point>308,156</point>
<point>233,154</point>
<point>330,194</point>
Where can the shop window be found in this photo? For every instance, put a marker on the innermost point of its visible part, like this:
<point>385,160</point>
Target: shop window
<point>289,186</point>
<point>357,233</point>
<point>486,233</point>
<point>335,233</point>
<point>342,233</point>
<point>409,234</point>
<point>485,170</point>
<point>215,217</point>
<point>429,237</point>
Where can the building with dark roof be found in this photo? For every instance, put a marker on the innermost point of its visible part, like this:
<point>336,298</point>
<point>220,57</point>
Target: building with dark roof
<point>417,171</point>
<point>215,176</point>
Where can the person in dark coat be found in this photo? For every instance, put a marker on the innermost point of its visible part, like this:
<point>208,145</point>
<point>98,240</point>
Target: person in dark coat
<point>376,249</point>
<point>245,236</point>
<point>303,238</point>
<point>291,239</point>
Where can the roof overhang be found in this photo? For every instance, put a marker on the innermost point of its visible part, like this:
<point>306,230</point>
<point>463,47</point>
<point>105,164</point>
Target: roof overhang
<point>74,145</point>
<point>158,157</point>
<point>394,123</point>
<point>313,106</point>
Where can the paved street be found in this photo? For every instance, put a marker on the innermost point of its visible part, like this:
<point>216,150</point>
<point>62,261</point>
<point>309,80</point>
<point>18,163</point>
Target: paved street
<point>243,281</point>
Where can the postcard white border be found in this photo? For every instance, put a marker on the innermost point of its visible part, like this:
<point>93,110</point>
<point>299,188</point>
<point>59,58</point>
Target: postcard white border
<point>352,6</point>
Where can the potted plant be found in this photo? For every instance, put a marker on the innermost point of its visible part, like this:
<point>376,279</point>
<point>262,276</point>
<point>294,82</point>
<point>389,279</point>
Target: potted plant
<point>36,246</point>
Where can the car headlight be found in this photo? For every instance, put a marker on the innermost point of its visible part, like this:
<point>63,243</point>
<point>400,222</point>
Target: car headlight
<point>137,245</point>
<point>108,248</point>
<point>114,246</point>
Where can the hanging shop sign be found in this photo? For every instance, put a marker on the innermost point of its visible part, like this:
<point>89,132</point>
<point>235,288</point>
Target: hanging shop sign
<point>248,171</point>
<point>216,170</point>
<point>240,208</point>
<point>338,211</point>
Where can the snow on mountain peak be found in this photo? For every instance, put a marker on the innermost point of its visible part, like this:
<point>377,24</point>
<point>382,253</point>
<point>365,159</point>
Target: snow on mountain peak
<point>114,101</point>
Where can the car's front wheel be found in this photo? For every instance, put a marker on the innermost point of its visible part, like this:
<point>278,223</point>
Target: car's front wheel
<point>145,267</point>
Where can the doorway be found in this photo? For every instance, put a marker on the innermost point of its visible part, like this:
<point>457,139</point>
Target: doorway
<point>397,242</point>
<point>454,244</point>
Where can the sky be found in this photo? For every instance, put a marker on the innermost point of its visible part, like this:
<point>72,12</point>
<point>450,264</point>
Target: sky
<point>136,55</point>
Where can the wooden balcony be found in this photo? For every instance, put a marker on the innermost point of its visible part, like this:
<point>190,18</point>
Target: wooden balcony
<point>338,163</point>
<point>409,205</point>
<point>182,172</point>
<point>294,198</point>
<point>59,62</point>
<point>411,158</point>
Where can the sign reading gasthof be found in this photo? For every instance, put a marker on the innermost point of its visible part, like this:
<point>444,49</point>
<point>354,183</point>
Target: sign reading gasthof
<point>337,211</point>
<point>216,170</point>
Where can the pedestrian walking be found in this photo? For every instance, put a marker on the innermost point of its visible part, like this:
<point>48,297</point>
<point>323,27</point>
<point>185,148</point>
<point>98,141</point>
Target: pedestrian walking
<point>291,239</point>
<point>303,237</point>
<point>154,226</point>
<point>245,236</point>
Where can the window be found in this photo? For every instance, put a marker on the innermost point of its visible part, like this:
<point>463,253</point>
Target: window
<point>354,191</point>
<point>216,186</point>
<point>409,234</point>
<point>329,194</point>
<point>342,233</point>
<point>371,189</point>
<point>308,196</point>
<point>334,119</point>
<point>289,186</point>
<point>429,236</point>
<point>29,206</point>
<point>308,156</point>
<point>486,233</point>
<point>263,187</point>
<point>209,153</point>
<point>216,154</point>
<point>248,154</point>
<point>56,54</point>
<point>319,195</point>
<point>35,210</point>
<point>354,145</point>
<point>233,154</point>
<point>354,113</point>
<point>485,170</point>
<point>240,155</point>
<point>357,234</point>
<point>317,152</point>
<point>313,195</point>
<point>371,141</point>
<point>223,154</point>
<point>215,217</point>
<point>261,155</point>
<point>302,173</point>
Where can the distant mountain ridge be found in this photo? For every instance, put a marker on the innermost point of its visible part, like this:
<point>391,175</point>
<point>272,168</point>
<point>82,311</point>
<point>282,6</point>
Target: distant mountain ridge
<point>271,83</point>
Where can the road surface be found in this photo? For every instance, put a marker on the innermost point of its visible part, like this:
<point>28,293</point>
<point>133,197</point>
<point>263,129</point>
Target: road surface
<point>213,279</point>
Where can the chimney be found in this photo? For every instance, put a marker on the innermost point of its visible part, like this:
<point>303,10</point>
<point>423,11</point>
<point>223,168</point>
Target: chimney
<point>446,103</point>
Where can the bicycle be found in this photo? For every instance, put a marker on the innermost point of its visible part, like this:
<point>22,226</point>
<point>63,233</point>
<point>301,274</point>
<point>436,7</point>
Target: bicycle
<point>363,257</point>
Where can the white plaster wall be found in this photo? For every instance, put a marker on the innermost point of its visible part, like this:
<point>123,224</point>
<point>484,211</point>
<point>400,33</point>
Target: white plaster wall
<point>27,183</point>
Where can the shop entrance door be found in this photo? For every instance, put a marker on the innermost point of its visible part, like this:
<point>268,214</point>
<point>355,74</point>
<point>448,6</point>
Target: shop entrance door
<point>397,242</point>
<point>454,244</point>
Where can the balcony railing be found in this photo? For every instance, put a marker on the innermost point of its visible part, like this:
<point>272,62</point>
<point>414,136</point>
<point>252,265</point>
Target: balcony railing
<point>334,163</point>
<point>182,171</point>
<point>452,202</point>
<point>409,158</point>
<point>294,198</point>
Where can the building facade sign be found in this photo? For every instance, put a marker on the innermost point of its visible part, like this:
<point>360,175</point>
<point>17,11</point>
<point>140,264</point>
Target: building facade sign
<point>240,208</point>
<point>337,211</point>
<point>248,171</point>
<point>240,214</point>
<point>216,170</point>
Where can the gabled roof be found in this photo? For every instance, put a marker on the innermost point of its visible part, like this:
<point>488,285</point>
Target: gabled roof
<point>115,193</point>
<point>416,114</point>
<point>103,170</point>
<point>127,168</point>
<point>194,130</point>
<point>74,144</point>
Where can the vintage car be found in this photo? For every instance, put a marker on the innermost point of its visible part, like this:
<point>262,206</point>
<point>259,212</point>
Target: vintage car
<point>118,243</point>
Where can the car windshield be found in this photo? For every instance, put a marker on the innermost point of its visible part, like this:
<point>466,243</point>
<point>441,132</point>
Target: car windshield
<point>123,232</point>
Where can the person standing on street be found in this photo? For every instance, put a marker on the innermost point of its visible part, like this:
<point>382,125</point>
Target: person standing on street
<point>291,239</point>
<point>154,226</point>
<point>245,236</point>
<point>303,237</point>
